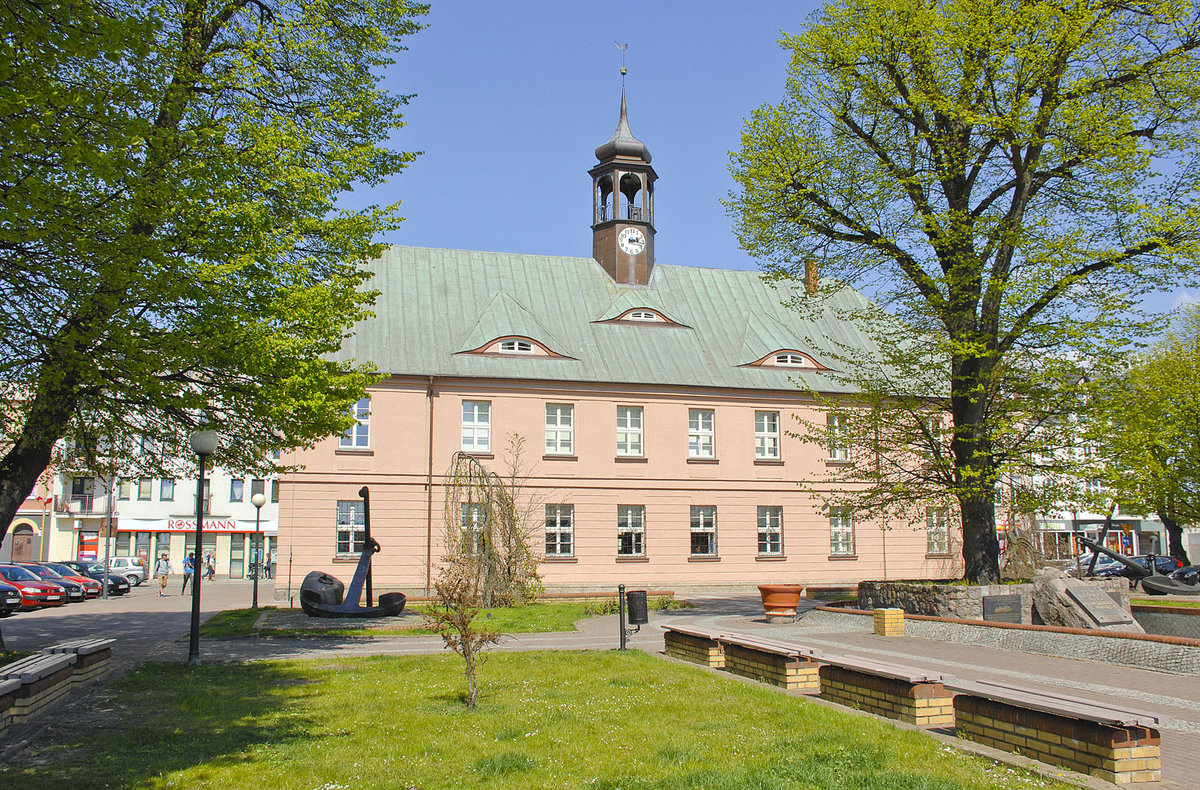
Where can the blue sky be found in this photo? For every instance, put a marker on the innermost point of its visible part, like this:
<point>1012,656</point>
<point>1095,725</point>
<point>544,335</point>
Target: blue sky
<point>512,98</point>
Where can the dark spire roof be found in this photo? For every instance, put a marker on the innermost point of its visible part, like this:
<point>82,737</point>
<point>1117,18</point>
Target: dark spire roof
<point>623,143</point>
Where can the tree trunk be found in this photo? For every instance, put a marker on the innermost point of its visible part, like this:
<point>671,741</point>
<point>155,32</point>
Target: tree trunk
<point>1174,537</point>
<point>975,469</point>
<point>981,549</point>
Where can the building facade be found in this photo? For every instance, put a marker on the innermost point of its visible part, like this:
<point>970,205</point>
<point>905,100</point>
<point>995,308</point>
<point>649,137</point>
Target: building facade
<point>655,407</point>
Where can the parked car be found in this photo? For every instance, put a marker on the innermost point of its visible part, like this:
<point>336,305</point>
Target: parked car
<point>75,590</point>
<point>131,568</point>
<point>10,599</point>
<point>1188,575</point>
<point>91,587</point>
<point>117,584</point>
<point>35,592</point>
<point>1105,565</point>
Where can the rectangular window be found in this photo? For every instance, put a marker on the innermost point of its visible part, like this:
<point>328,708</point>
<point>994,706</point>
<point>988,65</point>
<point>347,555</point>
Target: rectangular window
<point>839,438</point>
<point>629,431</point>
<point>236,489</point>
<point>560,530</point>
<point>122,548</point>
<point>358,435</point>
<point>841,531</point>
<point>700,433</point>
<point>274,490</point>
<point>937,526</point>
<point>704,531</point>
<point>166,489</point>
<point>631,530</point>
<point>560,430</point>
<point>145,486</point>
<point>476,426</point>
<point>258,486</point>
<point>473,522</point>
<point>766,435</point>
<point>770,530</point>
<point>124,489</point>
<point>351,526</point>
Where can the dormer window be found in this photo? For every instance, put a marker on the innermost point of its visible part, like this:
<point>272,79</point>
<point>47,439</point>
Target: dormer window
<point>790,360</point>
<point>642,315</point>
<point>516,347</point>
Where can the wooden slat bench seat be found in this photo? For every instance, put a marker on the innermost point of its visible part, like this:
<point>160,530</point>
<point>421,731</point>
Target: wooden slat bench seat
<point>93,657</point>
<point>697,645</point>
<point>785,664</point>
<point>1114,743</point>
<point>910,694</point>
<point>45,681</point>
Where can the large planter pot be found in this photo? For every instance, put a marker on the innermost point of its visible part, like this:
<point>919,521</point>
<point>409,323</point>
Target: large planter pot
<point>780,601</point>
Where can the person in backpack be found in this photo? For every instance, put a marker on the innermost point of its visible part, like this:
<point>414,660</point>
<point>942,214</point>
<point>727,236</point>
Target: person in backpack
<point>162,571</point>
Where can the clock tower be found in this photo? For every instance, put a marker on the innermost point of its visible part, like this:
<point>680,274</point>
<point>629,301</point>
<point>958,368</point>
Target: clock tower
<point>623,206</point>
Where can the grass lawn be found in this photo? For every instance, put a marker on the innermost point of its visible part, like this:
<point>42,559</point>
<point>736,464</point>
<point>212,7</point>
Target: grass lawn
<point>1161,602</point>
<point>544,720</point>
<point>534,618</point>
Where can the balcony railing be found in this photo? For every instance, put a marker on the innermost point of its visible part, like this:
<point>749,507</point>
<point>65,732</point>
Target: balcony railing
<point>630,211</point>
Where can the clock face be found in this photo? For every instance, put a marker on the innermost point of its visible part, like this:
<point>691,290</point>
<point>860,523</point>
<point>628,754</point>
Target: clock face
<point>631,241</point>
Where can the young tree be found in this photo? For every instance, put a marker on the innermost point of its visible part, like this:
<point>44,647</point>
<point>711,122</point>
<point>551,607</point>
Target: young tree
<point>171,252</point>
<point>455,616</point>
<point>1006,179</point>
<point>1145,426</point>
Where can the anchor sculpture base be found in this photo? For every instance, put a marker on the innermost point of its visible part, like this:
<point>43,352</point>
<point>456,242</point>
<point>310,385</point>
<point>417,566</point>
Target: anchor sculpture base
<point>321,594</point>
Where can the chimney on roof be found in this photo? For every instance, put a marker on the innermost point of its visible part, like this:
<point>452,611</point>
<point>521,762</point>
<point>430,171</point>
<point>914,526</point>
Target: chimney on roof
<point>810,276</point>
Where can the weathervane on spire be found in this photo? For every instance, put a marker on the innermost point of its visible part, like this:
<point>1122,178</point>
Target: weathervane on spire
<point>624,70</point>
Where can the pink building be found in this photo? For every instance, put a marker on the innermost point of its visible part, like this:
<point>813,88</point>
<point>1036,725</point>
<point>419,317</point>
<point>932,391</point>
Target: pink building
<point>655,403</point>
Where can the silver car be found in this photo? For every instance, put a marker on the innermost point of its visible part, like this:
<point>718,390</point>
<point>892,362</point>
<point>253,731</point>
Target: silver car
<point>131,568</point>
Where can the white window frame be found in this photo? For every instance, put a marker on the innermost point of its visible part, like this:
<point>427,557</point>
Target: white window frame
<point>631,525</point>
<point>629,432</point>
<point>514,346</point>
<point>351,527</point>
<point>358,435</point>
<point>642,315</point>
<point>837,437</point>
<point>766,435</point>
<point>560,530</point>
<point>477,426</point>
<point>770,530</point>
<point>702,433</point>
<point>704,528</point>
<point>790,360</point>
<point>560,429</point>
<point>841,532</point>
<point>937,530</point>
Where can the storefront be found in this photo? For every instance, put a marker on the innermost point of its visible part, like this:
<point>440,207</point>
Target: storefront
<point>228,543</point>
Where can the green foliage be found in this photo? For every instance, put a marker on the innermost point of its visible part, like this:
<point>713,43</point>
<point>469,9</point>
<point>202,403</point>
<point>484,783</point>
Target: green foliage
<point>1145,429</point>
<point>1007,181</point>
<point>172,252</point>
<point>550,720</point>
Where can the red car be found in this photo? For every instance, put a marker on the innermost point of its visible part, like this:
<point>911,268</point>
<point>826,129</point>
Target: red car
<point>74,590</point>
<point>91,587</point>
<point>35,593</point>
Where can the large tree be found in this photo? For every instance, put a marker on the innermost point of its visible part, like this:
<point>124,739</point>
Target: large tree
<point>1145,428</point>
<point>1007,179</point>
<point>171,251</point>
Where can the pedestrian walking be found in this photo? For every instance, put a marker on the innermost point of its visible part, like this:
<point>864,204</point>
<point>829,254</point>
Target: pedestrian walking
<point>210,567</point>
<point>189,566</point>
<point>162,570</point>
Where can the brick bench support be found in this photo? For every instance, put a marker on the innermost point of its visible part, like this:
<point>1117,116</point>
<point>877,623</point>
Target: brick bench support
<point>1114,744</point>
<point>45,682</point>
<point>93,657</point>
<point>782,664</point>
<point>695,645</point>
<point>894,692</point>
<point>8,697</point>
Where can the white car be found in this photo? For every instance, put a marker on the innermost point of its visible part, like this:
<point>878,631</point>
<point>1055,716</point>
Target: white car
<point>129,567</point>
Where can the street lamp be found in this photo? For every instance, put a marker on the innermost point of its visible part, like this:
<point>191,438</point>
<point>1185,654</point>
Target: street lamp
<point>258,500</point>
<point>204,444</point>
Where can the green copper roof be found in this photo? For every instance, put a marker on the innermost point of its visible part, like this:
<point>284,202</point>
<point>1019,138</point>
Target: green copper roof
<point>434,304</point>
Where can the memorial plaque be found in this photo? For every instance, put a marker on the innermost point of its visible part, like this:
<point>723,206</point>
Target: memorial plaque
<point>1098,606</point>
<point>1002,608</point>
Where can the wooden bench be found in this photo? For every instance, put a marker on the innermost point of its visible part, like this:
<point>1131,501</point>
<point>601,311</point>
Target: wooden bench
<point>697,645</point>
<point>45,679</point>
<point>92,657</point>
<point>783,664</point>
<point>908,694</point>
<point>1117,744</point>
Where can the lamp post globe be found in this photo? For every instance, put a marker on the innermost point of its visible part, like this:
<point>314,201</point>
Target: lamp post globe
<point>258,500</point>
<point>204,444</point>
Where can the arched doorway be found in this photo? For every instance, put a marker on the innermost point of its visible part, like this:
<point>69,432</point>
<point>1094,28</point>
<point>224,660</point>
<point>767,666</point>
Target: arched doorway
<point>22,538</point>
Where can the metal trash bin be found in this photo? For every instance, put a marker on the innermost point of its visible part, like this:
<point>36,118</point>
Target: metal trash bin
<point>635,601</point>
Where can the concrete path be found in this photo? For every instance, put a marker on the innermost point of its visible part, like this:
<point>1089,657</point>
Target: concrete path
<point>148,627</point>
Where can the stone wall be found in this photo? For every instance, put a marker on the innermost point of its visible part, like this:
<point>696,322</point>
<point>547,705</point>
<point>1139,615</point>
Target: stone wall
<point>962,601</point>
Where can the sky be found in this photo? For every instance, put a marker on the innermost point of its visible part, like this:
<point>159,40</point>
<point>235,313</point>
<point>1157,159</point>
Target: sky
<point>511,99</point>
